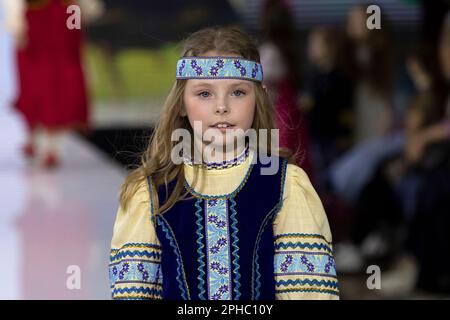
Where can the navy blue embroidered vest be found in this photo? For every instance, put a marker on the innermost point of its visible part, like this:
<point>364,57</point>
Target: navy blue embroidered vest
<point>222,248</point>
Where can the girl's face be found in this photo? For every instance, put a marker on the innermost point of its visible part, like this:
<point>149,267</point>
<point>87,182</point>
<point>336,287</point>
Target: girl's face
<point>221,104</point>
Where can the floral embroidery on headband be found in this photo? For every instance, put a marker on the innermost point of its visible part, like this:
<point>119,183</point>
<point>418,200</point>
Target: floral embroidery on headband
<point>219,68</point>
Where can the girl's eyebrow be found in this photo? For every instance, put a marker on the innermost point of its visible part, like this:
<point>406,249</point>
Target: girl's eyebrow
<point>245,83</point>
<point>208,84</point>
<point>200,84</point>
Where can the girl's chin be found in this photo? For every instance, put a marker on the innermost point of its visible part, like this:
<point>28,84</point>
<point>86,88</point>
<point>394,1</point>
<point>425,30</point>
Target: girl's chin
<point>221,137</point>
<point>226,146</point>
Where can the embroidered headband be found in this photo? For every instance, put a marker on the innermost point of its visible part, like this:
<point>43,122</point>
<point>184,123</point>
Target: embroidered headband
<point>219,68</point>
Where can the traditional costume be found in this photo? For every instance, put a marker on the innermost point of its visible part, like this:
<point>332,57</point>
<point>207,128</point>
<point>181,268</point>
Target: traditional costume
<point>241,235</point>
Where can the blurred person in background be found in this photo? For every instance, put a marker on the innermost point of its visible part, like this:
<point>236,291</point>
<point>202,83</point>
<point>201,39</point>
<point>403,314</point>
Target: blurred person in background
<point>439,130</point>
<point>12,25</point>
<point>53,97</point>
<point>403,211</point>
<point>387,200</point>
<point>424,188</point>
<point>370,63</point>
<point>328,98</point>
<point>280,60</point>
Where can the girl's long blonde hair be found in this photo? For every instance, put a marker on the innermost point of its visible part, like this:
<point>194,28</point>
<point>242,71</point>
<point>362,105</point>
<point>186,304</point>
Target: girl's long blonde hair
<point>156,160</point>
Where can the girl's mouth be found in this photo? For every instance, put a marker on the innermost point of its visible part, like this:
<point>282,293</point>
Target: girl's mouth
<point>222,125</point>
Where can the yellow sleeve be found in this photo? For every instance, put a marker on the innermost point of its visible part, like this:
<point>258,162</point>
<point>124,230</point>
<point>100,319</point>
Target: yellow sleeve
<point>304,264</point>
<point>134,268</point>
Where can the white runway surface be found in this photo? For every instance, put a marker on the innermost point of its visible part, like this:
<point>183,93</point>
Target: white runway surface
<point>55,223</point>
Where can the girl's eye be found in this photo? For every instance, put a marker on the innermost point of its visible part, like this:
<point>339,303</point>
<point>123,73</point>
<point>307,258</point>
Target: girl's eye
<point>238,93</point>
<point>204,94</point>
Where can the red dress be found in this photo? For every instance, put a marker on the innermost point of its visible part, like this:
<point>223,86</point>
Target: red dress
<point>52,88</point>
<point>292,125</point>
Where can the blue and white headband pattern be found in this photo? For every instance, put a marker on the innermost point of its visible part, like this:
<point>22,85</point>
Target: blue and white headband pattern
<point>219,68</point>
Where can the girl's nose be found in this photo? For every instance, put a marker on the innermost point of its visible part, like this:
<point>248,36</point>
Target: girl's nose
<point>221,109</point>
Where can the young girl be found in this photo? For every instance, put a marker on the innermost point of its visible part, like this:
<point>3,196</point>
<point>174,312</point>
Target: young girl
<point>219,230</point>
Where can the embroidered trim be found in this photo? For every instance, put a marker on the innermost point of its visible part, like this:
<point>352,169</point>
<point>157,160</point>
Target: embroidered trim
<point>309,282</point>
<point>309,290</point>
<point>201,255</point>
<point>256,283</point>
<point>218,249</point>
<point>218,68</point>
<point>229,195</point>
<point>301,245</point>
<point>137,293</point>
<point>301,262</point>
<point>135,265</point>
<point>235,252</point>
<point>154,252</point>
<point>307,269</point>
<point>183,286</point>
<point>135,271</point>
<point>221,165</point>
<point>139,245</point>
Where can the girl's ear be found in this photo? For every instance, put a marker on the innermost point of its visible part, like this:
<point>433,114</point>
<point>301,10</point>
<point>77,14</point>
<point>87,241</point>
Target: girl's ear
<point>264,87</point>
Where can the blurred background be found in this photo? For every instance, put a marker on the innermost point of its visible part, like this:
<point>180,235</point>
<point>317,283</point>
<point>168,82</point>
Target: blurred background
<point>366,90</point>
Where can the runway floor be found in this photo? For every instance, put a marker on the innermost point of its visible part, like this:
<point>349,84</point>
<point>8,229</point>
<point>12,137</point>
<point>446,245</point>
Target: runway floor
<point>55,226</point>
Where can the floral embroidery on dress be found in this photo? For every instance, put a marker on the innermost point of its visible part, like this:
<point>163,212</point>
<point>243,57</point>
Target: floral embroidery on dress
<point>218,248</point>
<point>135,271</point>
<point>304,263</point>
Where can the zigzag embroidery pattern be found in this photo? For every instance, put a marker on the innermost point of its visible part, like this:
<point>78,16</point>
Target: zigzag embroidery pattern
<point>134,253</point>
<point>290,244</point>
<point>313,282</point>
<point>136,293</point>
